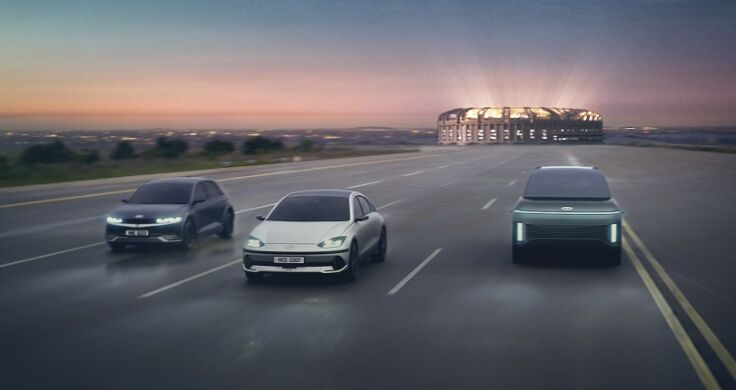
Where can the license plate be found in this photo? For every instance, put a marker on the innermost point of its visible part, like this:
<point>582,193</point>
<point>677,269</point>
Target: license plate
<point>288,260</point>
<point>136,233</point>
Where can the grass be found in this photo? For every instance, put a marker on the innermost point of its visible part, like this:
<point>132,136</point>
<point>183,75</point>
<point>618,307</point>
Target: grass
<point>651,144</point>
<point>20,175</point>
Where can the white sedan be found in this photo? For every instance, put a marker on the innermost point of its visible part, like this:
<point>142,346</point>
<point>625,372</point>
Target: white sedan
<point>316,231</point>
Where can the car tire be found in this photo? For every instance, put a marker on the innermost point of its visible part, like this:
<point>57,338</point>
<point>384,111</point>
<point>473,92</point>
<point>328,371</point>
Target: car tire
<point>382,248</point>
<point>228,224</point>
<point>116,246</point>
<point>351,273</point>
<point>188,235</point>
<point>254,277</point>
<point>519,255</point>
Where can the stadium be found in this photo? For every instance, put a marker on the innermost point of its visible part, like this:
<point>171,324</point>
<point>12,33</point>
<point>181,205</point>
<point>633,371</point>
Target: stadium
<point>514,125</point>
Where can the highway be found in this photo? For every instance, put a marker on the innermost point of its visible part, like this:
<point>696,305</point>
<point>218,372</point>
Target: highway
<point>447,309</point>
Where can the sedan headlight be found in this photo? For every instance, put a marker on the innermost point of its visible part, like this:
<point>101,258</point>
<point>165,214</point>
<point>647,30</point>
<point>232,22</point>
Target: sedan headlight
<point>334,242</point>
<point>168,220</point>
<point>253,242</point>
<point>114,220</point>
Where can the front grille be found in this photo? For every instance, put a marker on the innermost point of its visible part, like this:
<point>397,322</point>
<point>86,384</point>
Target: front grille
<point>567,232</point>
<point>139,221</point>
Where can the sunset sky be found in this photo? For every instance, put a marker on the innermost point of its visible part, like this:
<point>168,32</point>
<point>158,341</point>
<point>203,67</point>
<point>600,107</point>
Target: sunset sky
<point>275,64</point>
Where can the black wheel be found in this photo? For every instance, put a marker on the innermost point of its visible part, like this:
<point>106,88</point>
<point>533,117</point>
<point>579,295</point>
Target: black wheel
<point>518,255</point>
<point>382,248</point>
<point>189,234</point>
<point>228,224</point>
<point>116,246</point>
<point>254,277</point>
<point>351,273</point>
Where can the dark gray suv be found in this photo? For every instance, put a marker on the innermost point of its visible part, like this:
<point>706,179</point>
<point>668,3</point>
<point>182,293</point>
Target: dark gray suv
<point>171,211</point>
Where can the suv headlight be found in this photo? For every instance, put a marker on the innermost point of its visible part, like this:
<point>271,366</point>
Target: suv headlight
<point>334,242</point>
<point>253,242</point>
<point>114,220</point>
<point>168,220</point>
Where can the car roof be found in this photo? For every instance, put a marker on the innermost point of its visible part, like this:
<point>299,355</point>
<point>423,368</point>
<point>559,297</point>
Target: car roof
<point>181,179</point>
<point>335,193</point>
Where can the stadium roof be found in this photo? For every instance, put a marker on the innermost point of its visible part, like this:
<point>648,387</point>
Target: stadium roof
<point>536,113</point>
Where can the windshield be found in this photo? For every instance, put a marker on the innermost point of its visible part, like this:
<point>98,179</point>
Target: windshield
<point>312,209</point>
<point>162,193</point>
<point>567,184</point>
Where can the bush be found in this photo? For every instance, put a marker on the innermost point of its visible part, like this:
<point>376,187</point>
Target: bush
<point>218,147</point>
<point>89,156</point>
<point>169,149</point>
<point>305,146</point>
<point>123,150</point>
<point>47,153</point>
<point>261,144</point>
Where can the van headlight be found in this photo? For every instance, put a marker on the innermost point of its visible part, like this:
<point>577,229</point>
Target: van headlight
<point>613,233</point>
<point>334,242</point>
<point>253,242</point>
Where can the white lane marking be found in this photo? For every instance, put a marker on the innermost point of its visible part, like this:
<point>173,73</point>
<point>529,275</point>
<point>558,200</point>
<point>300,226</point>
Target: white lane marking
<point>442,167</point>
<point>51,254</point>
<point>365,184</point>
<point>390,204</point>
<point>189,279</point>
<point>489,204</point>
<point>416,270</point>
<point>572,159</point>
<point>413,173</point>
<point>48,226</point>
<point>255,208</point>
<point>512,182</point>
<point>446,184</point>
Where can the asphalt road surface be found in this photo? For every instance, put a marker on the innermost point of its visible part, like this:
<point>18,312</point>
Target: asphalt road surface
<point>447,309</point>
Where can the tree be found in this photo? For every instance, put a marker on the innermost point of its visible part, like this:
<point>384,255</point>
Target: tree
<point>170,149</point>
<point>89,156</point>
<point>47,153</point>
<point>218,147</point>
<point>261,144</point>
<point>123,150</point>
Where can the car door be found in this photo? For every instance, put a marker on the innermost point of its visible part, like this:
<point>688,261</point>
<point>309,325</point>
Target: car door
<point>217,201</point>
<point>373,224</point>
<point>362,230</point>
<point>202,217</point>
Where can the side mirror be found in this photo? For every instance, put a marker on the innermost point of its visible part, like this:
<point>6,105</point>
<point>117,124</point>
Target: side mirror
<point>363,218</point>
<point>261,218</point>
<point>198,200</point>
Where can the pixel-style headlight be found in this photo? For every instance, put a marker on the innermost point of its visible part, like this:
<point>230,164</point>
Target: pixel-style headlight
<point>168,220</point>
<point>253,242</point>
<point>334,242</point>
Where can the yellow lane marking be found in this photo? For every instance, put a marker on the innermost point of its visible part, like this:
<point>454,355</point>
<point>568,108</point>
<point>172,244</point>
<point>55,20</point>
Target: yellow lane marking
<point>98,194</point>
<point>704,373</point>
<point>718,347</point>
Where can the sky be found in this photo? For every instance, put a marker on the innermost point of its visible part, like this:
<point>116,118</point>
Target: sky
<point>306,64</point>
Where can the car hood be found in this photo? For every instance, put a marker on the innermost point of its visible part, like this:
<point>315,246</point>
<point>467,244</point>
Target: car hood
<point>576,204</point>
<point>287,232</point>
<point>129,211</point>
